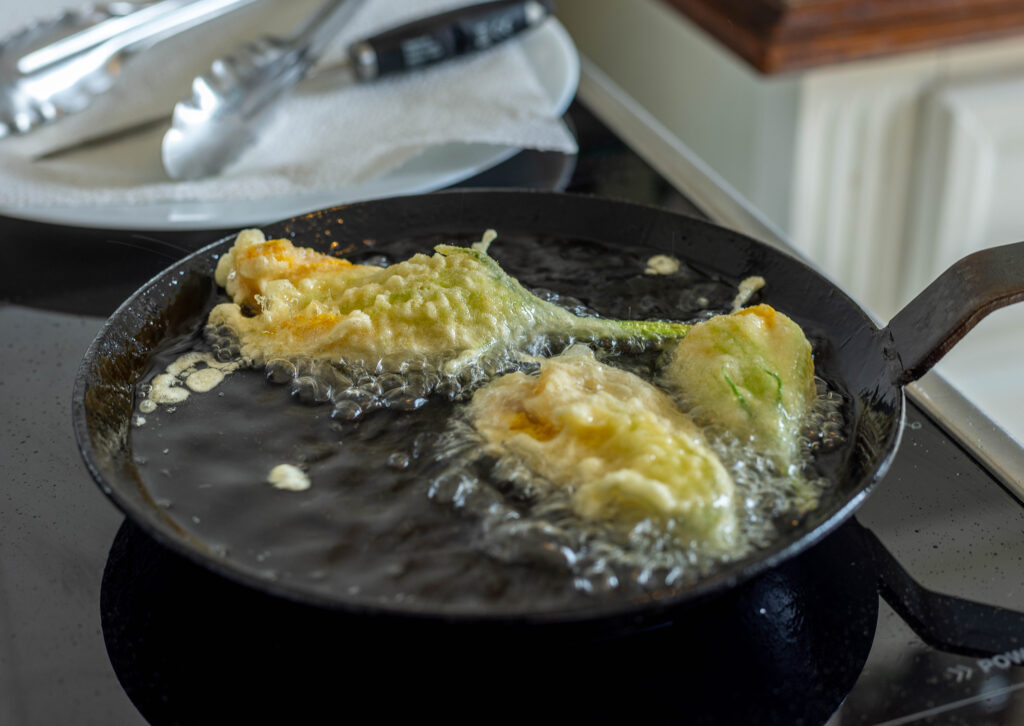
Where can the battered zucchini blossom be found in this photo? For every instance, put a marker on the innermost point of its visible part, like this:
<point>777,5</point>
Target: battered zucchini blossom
<point>751,374</point>
<point>454,306</point>
<point>620,445</point>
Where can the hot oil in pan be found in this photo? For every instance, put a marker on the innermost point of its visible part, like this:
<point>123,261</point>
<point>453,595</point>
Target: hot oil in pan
<point>403,505</point>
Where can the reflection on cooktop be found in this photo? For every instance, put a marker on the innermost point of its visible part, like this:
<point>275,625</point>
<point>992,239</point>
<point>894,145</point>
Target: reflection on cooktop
<point>191,647</point>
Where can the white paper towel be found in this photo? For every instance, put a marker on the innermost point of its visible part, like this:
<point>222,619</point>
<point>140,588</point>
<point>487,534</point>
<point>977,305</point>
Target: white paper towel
<point>324,137</point>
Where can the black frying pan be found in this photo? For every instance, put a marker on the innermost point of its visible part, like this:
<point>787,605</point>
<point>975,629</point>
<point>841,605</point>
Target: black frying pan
<point>869,365</point>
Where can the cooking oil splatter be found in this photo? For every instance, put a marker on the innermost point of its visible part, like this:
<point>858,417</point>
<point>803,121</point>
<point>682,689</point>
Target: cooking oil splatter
<point>662,265</point>
<point>745,290</point>
<point>289,477</point>
<point>194,371</point>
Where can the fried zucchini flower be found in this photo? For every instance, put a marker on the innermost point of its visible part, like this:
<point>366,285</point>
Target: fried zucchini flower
<point>620,445</point>
<point>456,305</point>
<point>750,373</point>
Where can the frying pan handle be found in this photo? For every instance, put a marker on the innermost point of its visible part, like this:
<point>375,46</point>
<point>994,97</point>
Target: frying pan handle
<point>933,322</point>
<point>948,623</point>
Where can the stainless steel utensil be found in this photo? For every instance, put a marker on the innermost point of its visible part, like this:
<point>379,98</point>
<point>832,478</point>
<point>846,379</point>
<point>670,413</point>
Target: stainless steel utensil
<point>54,68</point>
<point>230,105</point>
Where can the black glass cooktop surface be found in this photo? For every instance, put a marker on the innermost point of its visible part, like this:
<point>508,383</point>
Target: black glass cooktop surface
<point>100,625</point>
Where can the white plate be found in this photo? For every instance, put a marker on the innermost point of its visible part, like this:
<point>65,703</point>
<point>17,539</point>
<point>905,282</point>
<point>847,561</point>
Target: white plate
<point>549,50</point>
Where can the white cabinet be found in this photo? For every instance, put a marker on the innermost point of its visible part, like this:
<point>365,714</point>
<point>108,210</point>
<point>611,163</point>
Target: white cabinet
<point>969,173</point>
<point>883,171</point>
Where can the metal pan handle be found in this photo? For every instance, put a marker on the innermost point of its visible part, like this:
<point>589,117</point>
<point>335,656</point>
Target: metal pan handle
<point>949,623</point>
<point>932,323</point>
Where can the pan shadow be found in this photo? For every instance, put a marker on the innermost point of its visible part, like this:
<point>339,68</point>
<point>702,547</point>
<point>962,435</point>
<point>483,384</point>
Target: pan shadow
<point>189,646</point>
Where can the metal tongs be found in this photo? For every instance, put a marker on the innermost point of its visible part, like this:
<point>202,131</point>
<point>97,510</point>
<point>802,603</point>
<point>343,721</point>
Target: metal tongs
<point>230,104</point>
<point>55,68</point>
<point>43,78</point>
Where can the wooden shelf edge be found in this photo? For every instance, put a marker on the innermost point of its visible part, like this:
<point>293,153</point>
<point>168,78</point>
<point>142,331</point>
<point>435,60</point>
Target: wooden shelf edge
<point>776,38</point>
